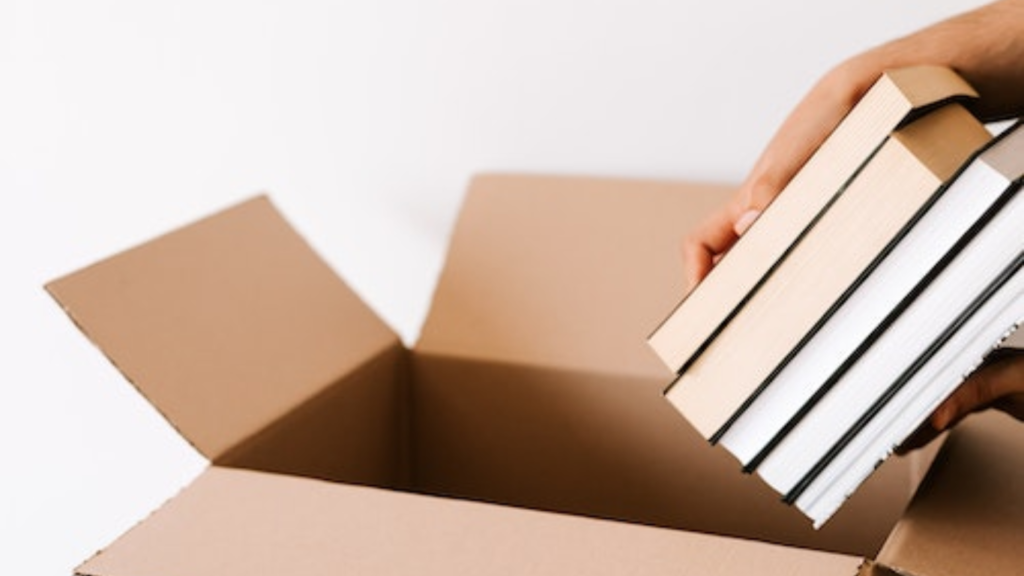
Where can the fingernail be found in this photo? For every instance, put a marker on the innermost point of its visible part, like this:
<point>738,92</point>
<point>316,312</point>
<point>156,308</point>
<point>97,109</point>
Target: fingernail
<point>745,221</point>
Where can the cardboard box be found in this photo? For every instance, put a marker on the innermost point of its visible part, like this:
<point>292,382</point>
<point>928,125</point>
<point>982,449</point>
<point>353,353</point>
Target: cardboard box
<point>525,433</point>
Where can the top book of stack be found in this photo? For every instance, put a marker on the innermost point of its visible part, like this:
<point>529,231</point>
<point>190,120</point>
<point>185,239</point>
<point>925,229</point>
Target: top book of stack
<point>898,97</point>
<point>840,243</point>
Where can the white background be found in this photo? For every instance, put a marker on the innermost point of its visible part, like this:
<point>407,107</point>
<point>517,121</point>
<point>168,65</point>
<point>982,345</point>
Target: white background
<point>122,119</point>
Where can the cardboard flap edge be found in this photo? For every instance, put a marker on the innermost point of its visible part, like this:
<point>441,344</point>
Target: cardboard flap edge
<point>224,324</point>
<point>565,270</point>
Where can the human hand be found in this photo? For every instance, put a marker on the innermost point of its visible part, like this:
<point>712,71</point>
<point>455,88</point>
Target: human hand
<point>985,46</point>
<point>998,383</point>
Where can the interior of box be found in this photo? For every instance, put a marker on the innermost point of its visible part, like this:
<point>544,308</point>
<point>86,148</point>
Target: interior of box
<point>968,515</point>
<point>534,384</point>
<point>531,385</point>
<point>609,446</point>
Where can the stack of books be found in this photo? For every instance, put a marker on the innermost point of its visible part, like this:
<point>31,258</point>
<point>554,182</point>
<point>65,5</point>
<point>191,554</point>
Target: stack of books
<point>878,279</point>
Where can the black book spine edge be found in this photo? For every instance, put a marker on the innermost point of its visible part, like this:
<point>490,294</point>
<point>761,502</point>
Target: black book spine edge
<point>876,333</point>
<point>993,287</point>
<point>817,326</point>
<point>749,467</point>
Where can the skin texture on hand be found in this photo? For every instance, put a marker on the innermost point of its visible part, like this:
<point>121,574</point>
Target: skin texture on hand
<point>998,384</point>
<point>986,47</point>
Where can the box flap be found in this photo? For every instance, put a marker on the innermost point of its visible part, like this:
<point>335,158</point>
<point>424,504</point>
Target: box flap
<point>237,523</point>
<point>565,271</point>
<point>224,325</point>
<point>968,515</point>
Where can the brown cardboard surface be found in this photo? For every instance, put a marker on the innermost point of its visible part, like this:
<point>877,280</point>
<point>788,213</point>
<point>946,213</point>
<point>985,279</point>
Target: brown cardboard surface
<point>225,325</point>
<point>566,272</point>
<point>968,515</point>
<point>611,447</point>
<point>538,392</point>
<point>239,523</point>
<point>534,385</point>
<point>356,431</point>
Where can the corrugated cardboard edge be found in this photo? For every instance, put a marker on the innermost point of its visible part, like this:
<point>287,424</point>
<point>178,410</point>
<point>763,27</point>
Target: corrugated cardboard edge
<point>128,378</point>
<point>232,522</point>
<point>116,298</point>
<point>81,569</point>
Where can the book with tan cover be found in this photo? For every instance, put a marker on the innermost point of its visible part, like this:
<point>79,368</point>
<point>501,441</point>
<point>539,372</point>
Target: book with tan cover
<point>896,97</point>
<point>910,167</point>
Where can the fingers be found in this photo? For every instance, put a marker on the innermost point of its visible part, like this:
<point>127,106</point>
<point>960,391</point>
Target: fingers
<point>705,245</point>
<point>924,434</point>
<point>999,383</point>
<point>745,221</point>
<point>801,133</point>
<point>807,126</point>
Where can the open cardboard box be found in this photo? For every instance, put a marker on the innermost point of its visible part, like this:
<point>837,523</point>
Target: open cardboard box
<point>525,433</point>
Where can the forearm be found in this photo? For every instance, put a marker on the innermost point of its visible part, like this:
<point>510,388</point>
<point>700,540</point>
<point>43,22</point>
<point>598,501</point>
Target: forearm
<point>985,46</point>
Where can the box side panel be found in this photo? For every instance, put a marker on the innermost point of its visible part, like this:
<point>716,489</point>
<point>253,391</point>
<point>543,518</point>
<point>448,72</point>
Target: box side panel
<point>239,523</point>
<point>355,431</point>
<point>567,272</point>
<point>224,325</point>
<point>612,447</point>
<point>968,515</point>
